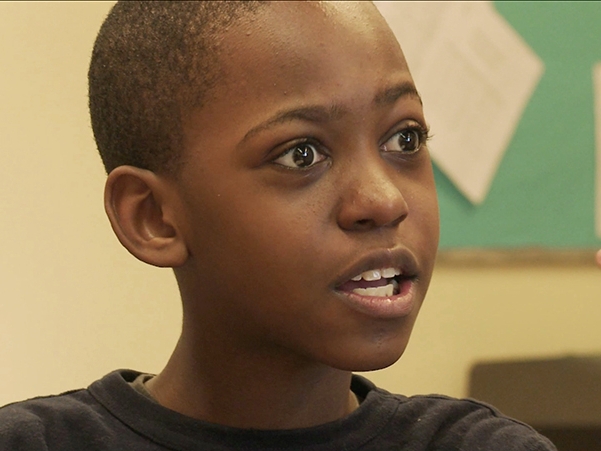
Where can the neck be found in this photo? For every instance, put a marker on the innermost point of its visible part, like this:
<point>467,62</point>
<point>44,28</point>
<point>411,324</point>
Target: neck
<point>257,391</point>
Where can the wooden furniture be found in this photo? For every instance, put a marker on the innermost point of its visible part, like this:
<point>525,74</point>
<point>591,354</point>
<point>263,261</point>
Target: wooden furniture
<point>560,397</point>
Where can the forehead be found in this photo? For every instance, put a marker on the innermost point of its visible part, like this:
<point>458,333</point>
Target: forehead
<point>339,56</point>
<point>282,23</point>
<point>289,44</point>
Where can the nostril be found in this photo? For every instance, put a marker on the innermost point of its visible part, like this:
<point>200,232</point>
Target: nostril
<point>363,223</point>
<point>398,220</point>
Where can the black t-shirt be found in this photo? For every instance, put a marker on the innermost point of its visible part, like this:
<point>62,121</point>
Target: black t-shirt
<point>112,415</point>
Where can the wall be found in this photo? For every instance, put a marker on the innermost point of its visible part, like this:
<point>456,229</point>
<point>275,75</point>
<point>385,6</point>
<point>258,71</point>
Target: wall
<point>75,305</point>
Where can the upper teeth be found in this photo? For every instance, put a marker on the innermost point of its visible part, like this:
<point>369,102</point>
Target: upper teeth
<point>377,274</point>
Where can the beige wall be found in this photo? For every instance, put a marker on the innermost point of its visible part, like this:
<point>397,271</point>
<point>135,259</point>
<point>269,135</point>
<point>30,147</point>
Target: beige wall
<point>75,305</point>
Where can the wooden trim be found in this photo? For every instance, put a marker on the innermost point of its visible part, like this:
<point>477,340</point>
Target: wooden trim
<point>516,257</point>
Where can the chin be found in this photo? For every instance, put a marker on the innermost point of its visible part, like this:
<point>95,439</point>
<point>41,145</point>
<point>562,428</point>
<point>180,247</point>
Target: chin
<point>380,363</point>
<point>371,358</point>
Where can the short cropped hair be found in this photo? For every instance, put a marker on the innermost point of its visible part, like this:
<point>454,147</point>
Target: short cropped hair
<point>152,63</point>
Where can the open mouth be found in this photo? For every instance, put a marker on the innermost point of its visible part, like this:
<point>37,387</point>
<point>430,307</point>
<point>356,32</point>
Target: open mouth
<point>385,282</point>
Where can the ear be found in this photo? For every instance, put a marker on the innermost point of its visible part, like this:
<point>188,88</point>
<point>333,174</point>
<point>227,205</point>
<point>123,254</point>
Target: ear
<point>142,207</point>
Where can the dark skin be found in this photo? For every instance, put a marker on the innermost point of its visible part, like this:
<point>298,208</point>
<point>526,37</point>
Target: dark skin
<point>306,168</point>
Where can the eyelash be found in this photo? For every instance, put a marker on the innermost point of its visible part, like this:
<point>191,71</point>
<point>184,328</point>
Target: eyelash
<point>318,155</point>
<point>420,132</point>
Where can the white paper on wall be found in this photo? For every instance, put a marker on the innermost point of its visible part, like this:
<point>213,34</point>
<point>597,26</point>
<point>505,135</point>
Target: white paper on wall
<point>475,75</point>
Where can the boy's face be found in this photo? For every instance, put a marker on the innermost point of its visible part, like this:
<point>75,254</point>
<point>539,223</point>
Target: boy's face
<point>303,171</point>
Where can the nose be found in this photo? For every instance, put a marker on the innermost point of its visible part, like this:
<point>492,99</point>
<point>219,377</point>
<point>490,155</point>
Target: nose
<point>371,197</point>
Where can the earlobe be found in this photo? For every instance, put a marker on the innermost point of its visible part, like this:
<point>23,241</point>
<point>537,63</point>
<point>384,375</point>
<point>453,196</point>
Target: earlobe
<point>140,207</point>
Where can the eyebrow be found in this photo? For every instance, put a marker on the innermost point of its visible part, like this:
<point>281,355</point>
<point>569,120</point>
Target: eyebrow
<point>315,113</point>
<point>389,96</point>
<point>319,113</point>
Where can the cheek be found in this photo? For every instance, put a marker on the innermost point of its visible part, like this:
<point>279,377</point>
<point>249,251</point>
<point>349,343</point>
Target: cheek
<point>429,214</point>
<point>424,209</point>
<point>257,238</point>
<point>258,265</point>
<point>425,203</point>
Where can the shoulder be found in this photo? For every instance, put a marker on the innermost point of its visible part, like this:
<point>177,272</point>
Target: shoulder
<point>29,424</point>
<point>442,422</point>
<point>473,424</point>
<point>54,422</point>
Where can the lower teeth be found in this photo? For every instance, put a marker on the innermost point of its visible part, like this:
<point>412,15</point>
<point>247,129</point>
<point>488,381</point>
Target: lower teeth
<point>385,291</point>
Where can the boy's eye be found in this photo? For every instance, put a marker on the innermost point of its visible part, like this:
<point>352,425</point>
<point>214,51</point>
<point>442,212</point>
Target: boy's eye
<point>300,156</point>
<point>406,141</point>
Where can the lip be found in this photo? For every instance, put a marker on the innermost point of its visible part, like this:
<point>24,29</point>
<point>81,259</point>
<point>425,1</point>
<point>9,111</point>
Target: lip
<point>396,306</point>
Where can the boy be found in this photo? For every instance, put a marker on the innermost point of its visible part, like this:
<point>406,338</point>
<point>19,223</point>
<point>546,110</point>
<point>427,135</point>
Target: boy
<point>274,155</point>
